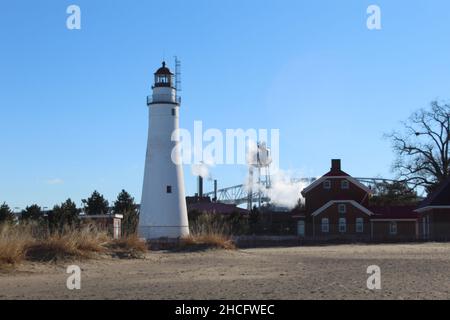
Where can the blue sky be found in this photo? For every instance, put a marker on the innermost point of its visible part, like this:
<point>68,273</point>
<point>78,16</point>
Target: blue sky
<point>72,103</point>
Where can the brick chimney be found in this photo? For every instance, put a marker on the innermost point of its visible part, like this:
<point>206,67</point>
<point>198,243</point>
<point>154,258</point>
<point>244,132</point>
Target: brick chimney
<point>335,165</point>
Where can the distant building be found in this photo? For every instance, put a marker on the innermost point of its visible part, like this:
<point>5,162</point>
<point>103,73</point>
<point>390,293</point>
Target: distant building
<point>205,205</point>
<point>109,222</point>
<point>434,214</point>
<point>337,208</point>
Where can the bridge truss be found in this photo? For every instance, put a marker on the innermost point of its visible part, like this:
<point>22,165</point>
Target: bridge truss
<point>239,194</point>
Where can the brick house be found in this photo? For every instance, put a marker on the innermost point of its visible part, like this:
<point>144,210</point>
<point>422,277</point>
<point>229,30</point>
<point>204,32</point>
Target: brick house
<point>434,214</point>
<point>337,208</point>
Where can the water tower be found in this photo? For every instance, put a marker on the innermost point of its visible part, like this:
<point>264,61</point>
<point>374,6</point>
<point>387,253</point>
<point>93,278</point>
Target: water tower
<point>260,159</point>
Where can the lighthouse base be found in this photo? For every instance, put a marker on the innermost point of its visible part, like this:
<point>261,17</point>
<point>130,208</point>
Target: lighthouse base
<point>157,232</point>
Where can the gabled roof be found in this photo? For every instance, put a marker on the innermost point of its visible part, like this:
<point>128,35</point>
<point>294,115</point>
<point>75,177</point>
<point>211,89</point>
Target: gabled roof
<point>326,177</point>
<point>439,198</point>
<point>335,173</point>
<point>352,202</point>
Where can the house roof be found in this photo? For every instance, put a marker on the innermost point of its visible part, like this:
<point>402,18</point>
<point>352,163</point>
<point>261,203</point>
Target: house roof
<point>326,177</point>
<point>352,202</point>
<point>335,173</point>
<point>440,197</point>
<point>393,212</point>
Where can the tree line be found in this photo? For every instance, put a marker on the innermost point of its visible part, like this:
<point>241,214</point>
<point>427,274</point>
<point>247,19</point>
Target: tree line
<point>67,214</point>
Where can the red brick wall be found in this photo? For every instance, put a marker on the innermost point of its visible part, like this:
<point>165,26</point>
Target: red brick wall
<point>406,230</point>
<point>440,224</point>
<point>333,216</point>
<point>319,196</point>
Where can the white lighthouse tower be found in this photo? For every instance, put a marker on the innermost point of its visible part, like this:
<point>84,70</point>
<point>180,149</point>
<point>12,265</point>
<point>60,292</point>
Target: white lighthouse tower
<point>163,206</point>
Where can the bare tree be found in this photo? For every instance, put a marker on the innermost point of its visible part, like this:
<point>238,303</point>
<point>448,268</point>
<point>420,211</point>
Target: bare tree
<point>422,150</point>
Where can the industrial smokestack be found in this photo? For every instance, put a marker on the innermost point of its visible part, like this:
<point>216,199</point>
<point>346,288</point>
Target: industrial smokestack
<point>215,190</point>
<point>200,187</point>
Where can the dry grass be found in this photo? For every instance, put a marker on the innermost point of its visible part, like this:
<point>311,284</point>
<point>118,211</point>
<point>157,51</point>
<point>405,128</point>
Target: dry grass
<point>31,242</point>
<point>208,231</point>
<point>13,244</point>
<point>69,244</point>
<point>129,247</point>
<point>211,240</point>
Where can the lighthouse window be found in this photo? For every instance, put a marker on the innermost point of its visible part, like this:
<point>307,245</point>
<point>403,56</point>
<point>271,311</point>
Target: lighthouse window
<point>169,189</point>
<point>173,111</point>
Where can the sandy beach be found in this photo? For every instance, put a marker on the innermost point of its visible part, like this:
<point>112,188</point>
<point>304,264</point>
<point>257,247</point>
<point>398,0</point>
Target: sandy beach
<point>408,271</point>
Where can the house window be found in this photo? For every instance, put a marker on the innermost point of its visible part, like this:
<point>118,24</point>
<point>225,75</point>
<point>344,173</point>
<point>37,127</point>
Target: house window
<point>342,208</point>
<point>345,184</point>
<point>325,225</point>
<point>342,225</point>
<point>359,225</point>
<point>424,227</point>
<point>327,184</point>
<point>169,189</point>
<point>301,228</point>
<point>393,228</point>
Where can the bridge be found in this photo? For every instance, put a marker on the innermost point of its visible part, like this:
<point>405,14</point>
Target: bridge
<point>240,194</point>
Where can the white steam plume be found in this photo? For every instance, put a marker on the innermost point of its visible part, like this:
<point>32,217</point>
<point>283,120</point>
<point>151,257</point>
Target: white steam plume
<point>285,191</point>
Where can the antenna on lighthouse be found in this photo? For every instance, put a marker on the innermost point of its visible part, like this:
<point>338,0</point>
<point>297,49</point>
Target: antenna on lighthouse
<point>177,74</point>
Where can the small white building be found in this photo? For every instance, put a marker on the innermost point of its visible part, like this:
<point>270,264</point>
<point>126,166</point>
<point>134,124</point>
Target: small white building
<point>110,222</point>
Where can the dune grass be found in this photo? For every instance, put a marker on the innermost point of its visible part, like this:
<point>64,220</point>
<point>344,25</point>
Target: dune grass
<point>14,242</point>
<point>34,243</point>
<point>130,246</point>
<point>209,240</point>
<point>208,231</point>
<point>69,244</point>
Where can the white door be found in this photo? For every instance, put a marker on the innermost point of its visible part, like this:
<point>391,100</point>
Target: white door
<point>301,228</point>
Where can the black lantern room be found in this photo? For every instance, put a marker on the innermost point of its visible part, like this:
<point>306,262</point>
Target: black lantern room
<point>163,77</point>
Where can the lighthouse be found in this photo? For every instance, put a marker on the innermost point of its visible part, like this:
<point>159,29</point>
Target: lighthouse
<point>163,212</point>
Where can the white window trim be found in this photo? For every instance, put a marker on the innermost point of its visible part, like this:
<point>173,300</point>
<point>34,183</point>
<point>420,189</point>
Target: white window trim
<point>342,205</point>
<point>345,184</point>
<point>393,223</point>
<point>301,225</point>
<point>325,225</point>
<point>327,184</point>
<point>344,225</point>
<point>359,225</point>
